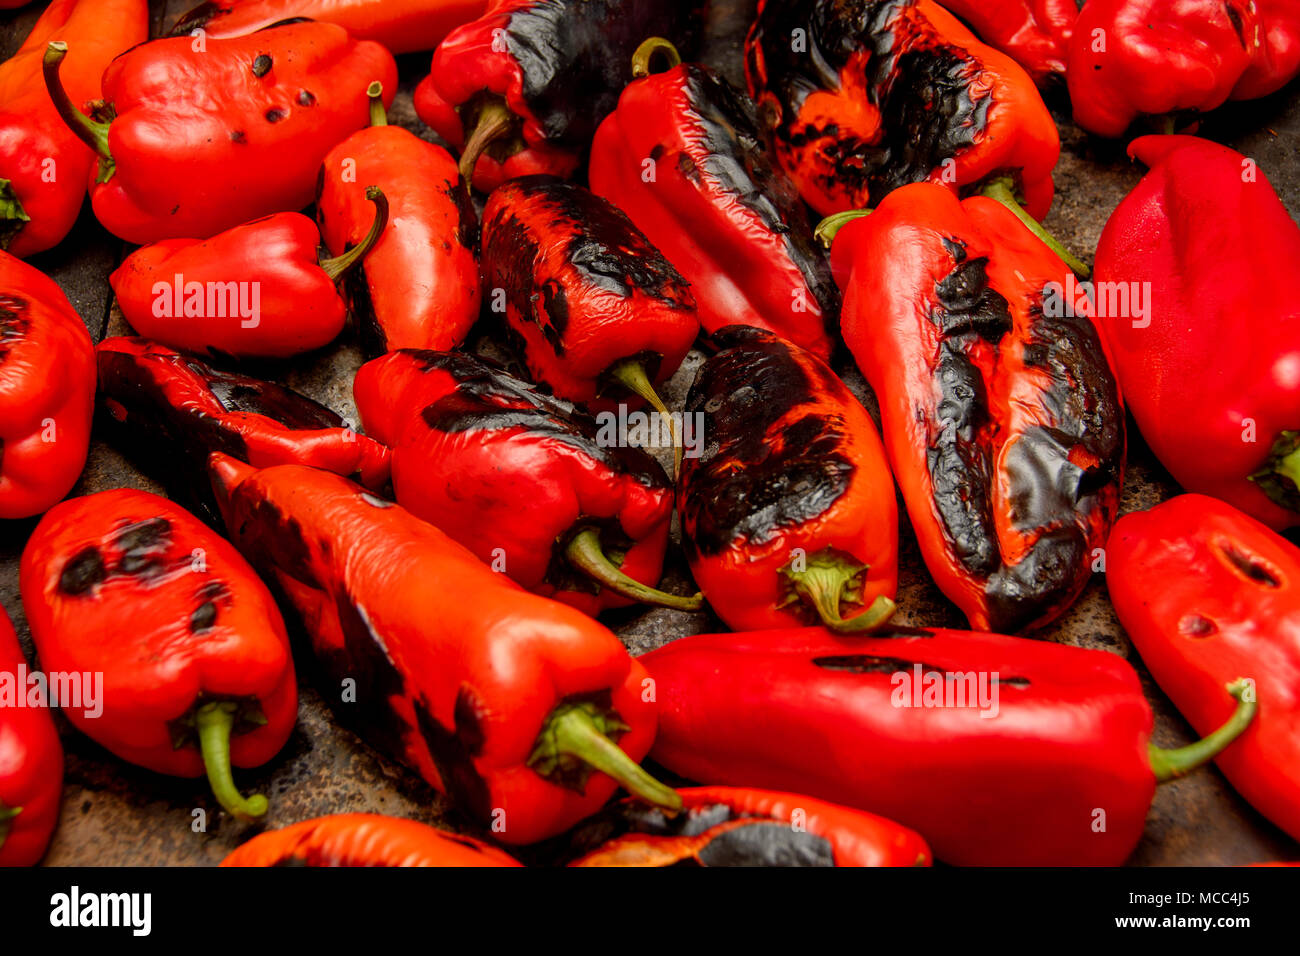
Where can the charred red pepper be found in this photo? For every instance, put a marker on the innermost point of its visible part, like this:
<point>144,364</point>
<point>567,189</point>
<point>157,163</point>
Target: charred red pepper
<point>683,158</point>
<point>997,750</point>
<point>789,516</point>
<point>1228,601</point>
<point>252,117</point>
<point>1001,414</point>
<point>365,839</point>
<point>47,391</point>
<point>31,761</point>
<point>726,826</point>
<point>505,701</point>
<point>43,165</point>
<point>1217,399</point>
<point>521,479</point>
<point>255,291</point>
<point>861,98</point>
<point>419,286</point>
<point>1034,33</point>
<point>521,90</point>
<point>194,658</point>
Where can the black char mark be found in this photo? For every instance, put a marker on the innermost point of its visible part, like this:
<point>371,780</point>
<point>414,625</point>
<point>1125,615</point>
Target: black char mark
<point>140,549</point>
<point>14,323</point>
<point>871,664</point>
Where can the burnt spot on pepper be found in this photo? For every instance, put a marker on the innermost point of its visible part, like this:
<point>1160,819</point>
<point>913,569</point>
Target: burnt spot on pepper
<point>872,664</point>
<point>766,843</point>
<point>238,136</point>
<point>967,304</point>
<point>261,65</point>
<point>306,98</point>
<point>275,114</point>
<point>14,323</point>
<point>203,618</point>
<point>467,229</point>
<point>452,756</point>
<point>143,546</point>
<point>83,571</point>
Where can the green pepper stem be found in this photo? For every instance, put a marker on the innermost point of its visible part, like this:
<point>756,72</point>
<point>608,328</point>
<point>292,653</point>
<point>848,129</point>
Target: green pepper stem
<point>646,52</point>
<point>631,374</point>
<point>1003,190</point>
<point>831,225</point>
<point>1172,764</point>
<point>378,115</point>
<point>1288,466</point>
<point>573,732</point>
<point>585,553</point>
<point>493,121</point>
<point>92,133</point>
<point>6,817</point>
<point>336,267</point>
<point>830,579</point>
<point>214,722</point>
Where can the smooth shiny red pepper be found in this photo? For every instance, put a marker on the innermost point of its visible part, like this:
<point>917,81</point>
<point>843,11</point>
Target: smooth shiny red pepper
<point>47,391</point>
<point>125,588</point>
<point>252,117</point>
<point>1034,33</point>
<point>526,712</point>
<point>1217,398</point>
<point>43,165</point>
<point>997,750</point>
<point>1227,602</point>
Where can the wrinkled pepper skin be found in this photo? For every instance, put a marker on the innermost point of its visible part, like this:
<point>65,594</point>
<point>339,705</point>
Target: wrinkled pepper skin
<point>551,69</point>
<point>47,391</point>
<point>717,208</point>
<point>513,474</point>
<point>365,839</point>
<point>43,165</point>
<point>728,826</point>
<point>419,287</point>
<point>1227,604</point>
<point>1217,398</point>
<point>459,672</point>
<point>584,289</point>
<point>1034,33</point>
<point>1004,424</point>
<point>1167,56</point>
<point>793,476</point>
<point>126,584</point>
<point>31,766</point>
<point>890,92</point>
<point>403,26</point>
<point>252,116</point>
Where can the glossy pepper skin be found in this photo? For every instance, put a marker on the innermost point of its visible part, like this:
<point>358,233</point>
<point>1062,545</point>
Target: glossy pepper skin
<point>419,287</point>
<point>729,826</point>
<point>403,26</point>
<point>1227,602</point>
<point>1034,33</point>
<point>1205,235</point>
<point>1167,56</point>
<point>788,517</point>
<point>43,165</point>
<point>365,839</point>
<point>503,700</point>
<point>255,291</point>
<point>521,90</point>
<point>197,674</point>
<point>716,206</point>
<point>1001,414</point>
<point>889,92</point>
<point>1011,780</point>
<point>521,479</point>
<point>47,391</point>
<point>31,765</point>
<point>252,116</point>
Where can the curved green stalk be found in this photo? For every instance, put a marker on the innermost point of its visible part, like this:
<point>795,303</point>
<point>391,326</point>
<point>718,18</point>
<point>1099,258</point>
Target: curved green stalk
<point>585,553</point>
<point>646,52</point>
<point>336,267</point>
<point>1172,764</point>
<point>1003,190</point>
<point>213,723</point>
<point>378,115</point>
<point>831,225</point>
<point>631,374</point>
<point>92,133</point>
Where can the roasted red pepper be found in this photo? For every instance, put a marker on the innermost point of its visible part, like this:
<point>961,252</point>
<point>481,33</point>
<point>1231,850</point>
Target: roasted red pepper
<point>1228,602</point>
<point>683,158</point>
<point>999,751</point>
<point>1034,33</point>
<point>365,839</point>
<point>47,391</point>
<point>862,98</point>
<point>43,165</point>
<point>789,516</point>
<point>255,291</point>
<point>522,89</point>
<point>1135,57</point>
<point>523,480</point>
<point>1001,415</point>
<point>725,826</point>
<point>403,26</point>
<point>1217,399</point>
<point>31,760</point>
<point>195,663</point>
<point>505,701</point>
<point>419,287</point>
<point>252,118</point>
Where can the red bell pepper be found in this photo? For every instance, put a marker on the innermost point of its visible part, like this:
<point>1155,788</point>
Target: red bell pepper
<point>1217,399</point>
<point>43,165</point>
<point>1034,33</point>
<point>997,750</point>
<point>126,588</point>
<point>47,391</point>
<point>252,116</point>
